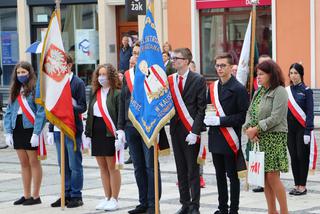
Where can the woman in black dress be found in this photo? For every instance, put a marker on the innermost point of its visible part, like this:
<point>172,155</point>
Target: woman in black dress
<point>23,123</point>
<point>100,131</point>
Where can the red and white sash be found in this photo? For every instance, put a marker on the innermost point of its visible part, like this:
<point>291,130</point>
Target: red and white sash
<point>228,132</point>
<point>300,115</point>
<point>183,113</point>
<point>129,75</point>
<point>26,109</point>
<point>102,105</point>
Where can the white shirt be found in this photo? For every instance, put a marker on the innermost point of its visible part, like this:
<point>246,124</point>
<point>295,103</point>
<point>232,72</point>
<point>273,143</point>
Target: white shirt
<point>96,110</point>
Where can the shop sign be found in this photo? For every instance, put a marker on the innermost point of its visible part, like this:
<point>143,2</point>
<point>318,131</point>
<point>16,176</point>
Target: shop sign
<point>86,46</point>
<point>135,8</point>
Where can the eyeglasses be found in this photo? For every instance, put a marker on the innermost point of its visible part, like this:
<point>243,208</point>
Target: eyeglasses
<point>222,66</point>
<point>176,58</point>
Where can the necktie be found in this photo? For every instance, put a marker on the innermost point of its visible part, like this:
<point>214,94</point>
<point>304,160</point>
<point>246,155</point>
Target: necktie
<point>180,85</point>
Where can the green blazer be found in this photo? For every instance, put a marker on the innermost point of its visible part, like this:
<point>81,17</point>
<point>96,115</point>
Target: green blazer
<point>113,108</point>
<point>273,109</point>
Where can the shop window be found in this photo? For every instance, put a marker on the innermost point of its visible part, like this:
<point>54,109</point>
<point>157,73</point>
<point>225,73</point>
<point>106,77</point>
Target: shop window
<point>9,47</point>
<point>79,34</point>
<point>223,30</point>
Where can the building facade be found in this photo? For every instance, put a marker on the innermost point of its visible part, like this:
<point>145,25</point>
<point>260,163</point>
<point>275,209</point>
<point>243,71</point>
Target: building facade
<point>287,30</point>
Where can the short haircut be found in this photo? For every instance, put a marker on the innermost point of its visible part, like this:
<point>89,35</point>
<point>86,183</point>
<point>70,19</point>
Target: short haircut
<point>69,59</point>
<point>185,52</point>
<point>224,56</point>
<point>137,43</point>
<point>166,53</point>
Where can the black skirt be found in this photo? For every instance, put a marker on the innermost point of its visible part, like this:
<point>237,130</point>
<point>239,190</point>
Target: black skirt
<point>21,136</point>
<point>101,144</point>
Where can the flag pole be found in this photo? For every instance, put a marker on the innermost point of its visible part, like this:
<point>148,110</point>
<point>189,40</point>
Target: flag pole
<point>150,5</point>
<point>62,152</point>
<point>253,38</point>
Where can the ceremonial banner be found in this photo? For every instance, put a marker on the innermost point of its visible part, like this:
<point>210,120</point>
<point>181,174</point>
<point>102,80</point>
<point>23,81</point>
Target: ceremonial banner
<point>151,105</point>
<point>55,91</point>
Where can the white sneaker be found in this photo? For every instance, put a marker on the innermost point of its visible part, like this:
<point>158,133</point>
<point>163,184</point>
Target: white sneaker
<point>102,204</point>
<point>112,205</point>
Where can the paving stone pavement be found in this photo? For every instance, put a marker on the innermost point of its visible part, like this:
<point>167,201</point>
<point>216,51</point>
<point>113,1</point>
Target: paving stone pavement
<point>250,203</point>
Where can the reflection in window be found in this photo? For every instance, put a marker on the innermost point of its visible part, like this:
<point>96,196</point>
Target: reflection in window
<point>9,47</point>
<point>223,30</point>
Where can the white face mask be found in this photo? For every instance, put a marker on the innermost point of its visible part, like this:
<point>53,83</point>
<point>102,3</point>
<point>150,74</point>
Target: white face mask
<point>102,80</point>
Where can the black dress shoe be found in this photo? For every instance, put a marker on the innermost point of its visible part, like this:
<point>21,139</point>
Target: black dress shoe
<point>183,210</point>
<point>298,192</point>
<point>258,189</point>
<point>293,191</point>
<point>139,209</point>
<point>57,203</point>
<point>31,201</point>
<point>19,201</point>
<point>129,161</point>
<point>220,212</point>
<point>75,202</point>
<point>194,210</point>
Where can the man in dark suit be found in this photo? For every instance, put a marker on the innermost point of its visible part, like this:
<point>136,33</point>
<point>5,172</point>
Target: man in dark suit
<point>224,144</point>
<point>185,137</point>
<point>167,63</point>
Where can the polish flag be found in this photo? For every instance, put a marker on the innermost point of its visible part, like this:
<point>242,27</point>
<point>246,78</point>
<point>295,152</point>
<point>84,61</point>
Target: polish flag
<point>55,91</point>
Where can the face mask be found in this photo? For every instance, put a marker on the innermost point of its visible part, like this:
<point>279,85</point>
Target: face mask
<point>23,79</point>
<point>102,80</point>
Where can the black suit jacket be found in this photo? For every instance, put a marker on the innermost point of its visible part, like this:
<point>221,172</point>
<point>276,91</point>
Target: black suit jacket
<point>234,100</point>
<point>194,97</point>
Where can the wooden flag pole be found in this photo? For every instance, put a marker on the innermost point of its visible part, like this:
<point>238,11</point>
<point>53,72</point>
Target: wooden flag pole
<point>156,177</point>
<point>253,38</point>
<point>62,147</point>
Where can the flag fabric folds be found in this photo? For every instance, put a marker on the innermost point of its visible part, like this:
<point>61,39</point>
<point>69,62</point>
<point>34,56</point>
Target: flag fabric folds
<point>243,67</point>
<point>151,105</point>
<point>54,90</point>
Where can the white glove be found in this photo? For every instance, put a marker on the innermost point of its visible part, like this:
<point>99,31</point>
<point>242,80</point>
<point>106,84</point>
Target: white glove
<point>118,145</point>
<point>306,139</point>
<point>87,143</point>
<point>9,140</point>
<point>50,138</point>
<point>34,140</point>
<point>191,138</point>
<point>121,136</point>
<point>212,120</point>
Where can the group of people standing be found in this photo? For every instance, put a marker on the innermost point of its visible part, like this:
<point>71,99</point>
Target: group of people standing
<point>266,121</point>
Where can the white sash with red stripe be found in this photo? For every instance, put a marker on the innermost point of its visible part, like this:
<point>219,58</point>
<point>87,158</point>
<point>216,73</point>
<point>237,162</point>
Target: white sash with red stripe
<point>300,116</point>
<point>102,106</point>
<point>129,75</point>
<point>26,109</point>
<point>183,113</point>
<point>228,132</point>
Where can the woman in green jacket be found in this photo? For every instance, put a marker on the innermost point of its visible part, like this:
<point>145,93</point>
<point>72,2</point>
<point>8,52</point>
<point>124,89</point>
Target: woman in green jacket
<point>266,124</point>
<point>100,131</point>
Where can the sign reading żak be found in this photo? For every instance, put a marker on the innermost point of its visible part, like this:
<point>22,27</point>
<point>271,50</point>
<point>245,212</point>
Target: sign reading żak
<point>135,8</point>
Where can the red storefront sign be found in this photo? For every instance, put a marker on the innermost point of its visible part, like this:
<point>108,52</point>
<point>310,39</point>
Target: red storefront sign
<point>206,4</point>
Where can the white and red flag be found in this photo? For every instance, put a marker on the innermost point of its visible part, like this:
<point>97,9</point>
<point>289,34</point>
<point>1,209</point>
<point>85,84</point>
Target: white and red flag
<point>55,91</point>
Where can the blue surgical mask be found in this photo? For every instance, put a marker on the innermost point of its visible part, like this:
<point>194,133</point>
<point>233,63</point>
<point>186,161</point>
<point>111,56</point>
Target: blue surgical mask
<point>23,78</point>
<point>102,80</point>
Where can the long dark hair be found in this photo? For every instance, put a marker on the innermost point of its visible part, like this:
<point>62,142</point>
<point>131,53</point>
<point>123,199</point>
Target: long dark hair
<point>299,68</point>
<point>112,76</point>
<point>28,87</point>
<point>274,71</point>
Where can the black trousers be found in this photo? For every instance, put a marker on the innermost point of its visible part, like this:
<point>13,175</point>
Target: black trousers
<point>187,167</point>
<point>299,153</point>
<point>226,164</point>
